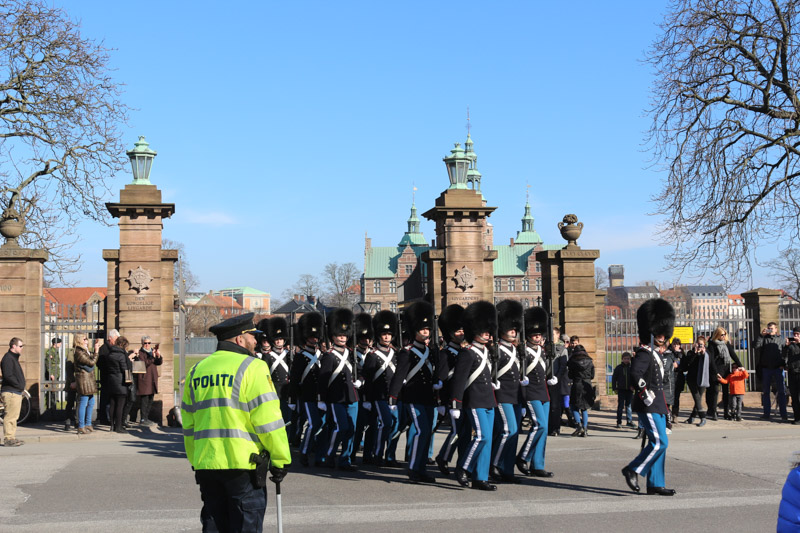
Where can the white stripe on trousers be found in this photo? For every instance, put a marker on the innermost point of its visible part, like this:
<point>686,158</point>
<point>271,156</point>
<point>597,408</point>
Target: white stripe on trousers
<point>452,437</point>
<point>475,441</point>
<point>335,431</point>
<point>416,436</point>
<point>381,425</point>
<point>534,428</point>
<point>309,430</point>
<point>656,445</point>
<point>505,435</point>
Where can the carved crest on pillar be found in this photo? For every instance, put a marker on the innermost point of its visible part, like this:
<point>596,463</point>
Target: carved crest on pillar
<point>464,278</point>
<point>139,279</point>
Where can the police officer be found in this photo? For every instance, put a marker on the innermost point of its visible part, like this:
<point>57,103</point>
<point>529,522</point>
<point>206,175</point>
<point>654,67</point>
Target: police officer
<point>279,360</point>
<point>452,330</point>
<point>473,394</point>
<point>530,460</point>
<point>303,378</point>
<point>379,367</point>
<point>230,412</point>
<point>336,392</point>
<point>508,414</point>
<point>655,320</point>
<point>415,380</point>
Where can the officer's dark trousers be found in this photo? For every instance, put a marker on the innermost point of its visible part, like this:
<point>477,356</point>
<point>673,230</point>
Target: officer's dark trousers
<point>230,502</point>
<point>794,392</point>
<point>554,417</point>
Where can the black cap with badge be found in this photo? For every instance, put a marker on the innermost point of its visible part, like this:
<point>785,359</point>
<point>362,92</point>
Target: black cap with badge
<point>234,327</point>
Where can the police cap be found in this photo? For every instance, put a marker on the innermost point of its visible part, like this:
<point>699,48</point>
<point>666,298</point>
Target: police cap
<point>235,326</point>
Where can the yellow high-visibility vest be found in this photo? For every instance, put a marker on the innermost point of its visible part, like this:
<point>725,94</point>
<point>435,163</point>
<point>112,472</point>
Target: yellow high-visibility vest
<point>230,410</point>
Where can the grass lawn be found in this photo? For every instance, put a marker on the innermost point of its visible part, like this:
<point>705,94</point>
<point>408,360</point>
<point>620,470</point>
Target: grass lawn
<point>191,360</point>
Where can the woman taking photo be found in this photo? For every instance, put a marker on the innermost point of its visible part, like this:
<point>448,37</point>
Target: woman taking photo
<point>85,382</point>
<point>147,386</point>
<point>117,382</point>
<point>721,351</point>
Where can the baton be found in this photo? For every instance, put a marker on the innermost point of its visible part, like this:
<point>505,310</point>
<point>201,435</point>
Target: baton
<point>278,506</point>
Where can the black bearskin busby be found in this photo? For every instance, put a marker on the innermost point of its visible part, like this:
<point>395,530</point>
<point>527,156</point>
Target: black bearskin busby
<point>655,317</point>
<point>384,322</point>
<point>263,326</point>
<point>509,316</point>
<point>340,322</point>
<point>451,321</point>
<point>417,316</point>
<point>478,318</point>
<point>310,325</point>
<point>364,326</point>
<point>535,321</point>
<point>277,328</point>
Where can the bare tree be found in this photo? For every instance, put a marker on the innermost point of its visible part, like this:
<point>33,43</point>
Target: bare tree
<point>201,317</point>
<point>306,285</point>
<point>190,280</point>
<point>340,282</point>
<point>59,126</point>
<point>785,270</point>
<point>600,278</point>
<point>726,128</point>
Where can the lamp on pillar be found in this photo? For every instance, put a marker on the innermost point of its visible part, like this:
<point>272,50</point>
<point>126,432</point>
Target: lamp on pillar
<point>457,165</point>
<point>141,161</point>
<point>369,307</point>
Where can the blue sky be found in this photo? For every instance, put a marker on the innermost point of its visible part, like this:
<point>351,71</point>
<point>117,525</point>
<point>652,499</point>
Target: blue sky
<point>286,130</point>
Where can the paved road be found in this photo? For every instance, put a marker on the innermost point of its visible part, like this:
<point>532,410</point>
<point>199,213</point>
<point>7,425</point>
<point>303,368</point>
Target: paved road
<point>728,476</point>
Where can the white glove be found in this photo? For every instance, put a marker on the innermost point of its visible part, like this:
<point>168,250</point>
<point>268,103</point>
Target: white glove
<point>367,406</point>
<point>525,381</point>
<point>357,384</point>
<point>393,408</point>
<point>456,413</point>
<point>496,385</point>
<point>552,381</point>
<point>524,411</point>
<point>440,409</point>
<point>322,406</point>
<point>649,396</point>
<point>438,386</point>
<point>293,407</point>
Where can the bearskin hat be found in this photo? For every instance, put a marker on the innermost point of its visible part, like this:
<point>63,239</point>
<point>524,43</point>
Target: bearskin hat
<point>310,325</point>
<point>364,326</point>
<point>655,317</point>
<point>450,321</point>
<point>277,328</point>
<point>478,318</point>
<point>340,322</point>
<point>384,322</point>
<point>535,321</point>
<point>509,316</point>
<point>263,327</point>
<point>417,316</point>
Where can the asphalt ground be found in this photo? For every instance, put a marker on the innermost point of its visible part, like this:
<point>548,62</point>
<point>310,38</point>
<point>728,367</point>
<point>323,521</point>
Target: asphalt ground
<point>728,476</point>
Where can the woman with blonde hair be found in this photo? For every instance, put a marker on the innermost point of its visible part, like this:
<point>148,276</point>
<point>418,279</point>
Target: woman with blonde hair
<point>724,356</point>
<point>85,382</point>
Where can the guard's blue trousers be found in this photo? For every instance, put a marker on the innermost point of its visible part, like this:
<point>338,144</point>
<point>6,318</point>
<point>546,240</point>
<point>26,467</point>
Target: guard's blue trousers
<point>311,441</point>
<point>650,462</point>
<point>536,443</point>
<point>394,438</point>
<point>420,434</point>
<point>386,425</point>
<point>342,430</point>
<point>449,445</point>
<point>479,453</point>
<point>506,436</point>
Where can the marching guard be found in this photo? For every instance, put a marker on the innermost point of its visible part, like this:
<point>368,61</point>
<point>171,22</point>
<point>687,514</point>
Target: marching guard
<point>379,366</point>
<point>473,393</point>
<point>415,381</point>
<point>365,430</point>
<point>655,320</point>
<point>452,330</point>
<point>530,459</point>
<point>509,396</point>
<point>279,360</point>
<point>337,389</point>
<point>303,378</point>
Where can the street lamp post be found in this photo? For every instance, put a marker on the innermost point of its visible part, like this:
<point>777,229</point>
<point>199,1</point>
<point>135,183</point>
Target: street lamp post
<point>141,161</point>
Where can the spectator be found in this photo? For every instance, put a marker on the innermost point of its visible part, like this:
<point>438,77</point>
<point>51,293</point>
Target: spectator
<point>85,382</point>
<point>12,390</point>
<point>700,373</point>
<point>147,384</point>
<point>735,382</point>
<point>117,382</point>
<point>557,391</point>
<point>622,385</point>
<point>724,356</point>
<point>676,348</point>
<point>581,372</point>
<point>770,369</point>
<point>668,359</point>
<point>102,357</point>
<point>791,356</point>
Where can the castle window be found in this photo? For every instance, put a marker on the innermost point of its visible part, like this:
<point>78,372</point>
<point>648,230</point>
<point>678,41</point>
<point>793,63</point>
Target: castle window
<point>538,284</point>
<point>392,286</point>
<point>498,285</point>
<point>526,285</point>
<point>376,286</point>
<point>393,306</point>
<point>512,284</point>
<point>409,269</point>
<point>538,266</point>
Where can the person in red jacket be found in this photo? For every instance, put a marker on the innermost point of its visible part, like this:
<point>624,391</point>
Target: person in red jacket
<point>735,382</point>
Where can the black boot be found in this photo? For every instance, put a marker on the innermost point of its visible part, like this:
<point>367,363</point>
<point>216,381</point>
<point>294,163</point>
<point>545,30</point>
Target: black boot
<point>442,464</point>
<point>461,477</point>
<point>522,466</point>
<point>483,485</point>
<point>495,475</point>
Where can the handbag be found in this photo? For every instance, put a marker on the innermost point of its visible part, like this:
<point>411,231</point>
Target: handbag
<point>139,367</point>
<point>128,376</point>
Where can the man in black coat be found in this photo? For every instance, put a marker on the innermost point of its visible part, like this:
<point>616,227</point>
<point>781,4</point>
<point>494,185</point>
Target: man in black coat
<point>102,365</point>
<point>11,391</point>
